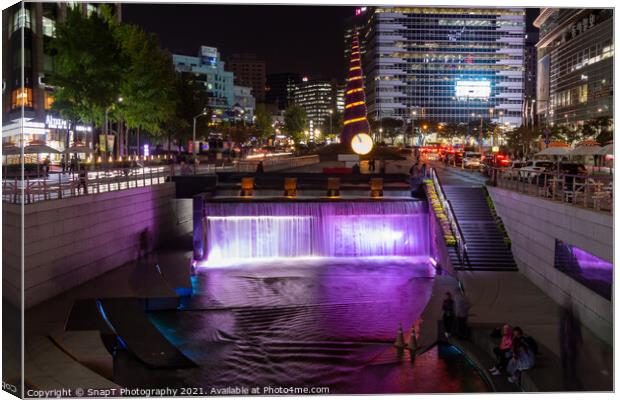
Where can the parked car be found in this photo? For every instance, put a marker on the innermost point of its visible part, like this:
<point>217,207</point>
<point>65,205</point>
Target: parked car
<point>512,172</point>
<point>573,173</point>
<point>533,168</point>
<point>471,160</point>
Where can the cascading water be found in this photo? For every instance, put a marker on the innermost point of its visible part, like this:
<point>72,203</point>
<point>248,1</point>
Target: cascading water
<point>324,229</point>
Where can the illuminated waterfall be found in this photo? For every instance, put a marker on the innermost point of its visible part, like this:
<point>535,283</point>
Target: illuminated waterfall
<point>304,229</point>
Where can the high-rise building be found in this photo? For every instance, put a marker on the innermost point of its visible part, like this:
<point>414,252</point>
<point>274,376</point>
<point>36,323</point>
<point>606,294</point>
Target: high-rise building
<point>316,96</point>
<point>448,64</point>
<point>356,23</point>
<point>280,89</point>
<point>529,79</point>
<point>575,65</point>
<point>245,101</point>
<point>249,71</point>
<point>208,68</point>
<point>37,21</point>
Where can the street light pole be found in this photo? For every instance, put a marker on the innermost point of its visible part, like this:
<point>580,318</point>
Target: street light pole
<point>204,112</point>
<point>331,115</point>
<point>413,114</point>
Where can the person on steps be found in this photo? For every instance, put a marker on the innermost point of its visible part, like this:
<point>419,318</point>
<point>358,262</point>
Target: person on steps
<point>503,352</point>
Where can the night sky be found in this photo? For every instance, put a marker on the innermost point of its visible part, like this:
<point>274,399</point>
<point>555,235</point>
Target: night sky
<point>302,39</point>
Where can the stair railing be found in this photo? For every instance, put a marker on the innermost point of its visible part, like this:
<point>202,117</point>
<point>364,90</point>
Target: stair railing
<point>461,244</point>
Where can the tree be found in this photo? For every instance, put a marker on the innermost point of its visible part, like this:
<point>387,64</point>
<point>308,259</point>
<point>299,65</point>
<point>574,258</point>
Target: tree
<point>566,134</point>
<point>295,122</point>
<point>148,79</point>
<point>264,123</point>
<point>521,139</point>
<point>599,128</point>
<point>87,73</point>
<point>191,100</point>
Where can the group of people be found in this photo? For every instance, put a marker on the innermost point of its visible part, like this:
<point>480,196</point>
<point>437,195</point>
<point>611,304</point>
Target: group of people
<point>71,166</point>
<point>455,310</point>
<point>516,352</point>
<point>417,172</point>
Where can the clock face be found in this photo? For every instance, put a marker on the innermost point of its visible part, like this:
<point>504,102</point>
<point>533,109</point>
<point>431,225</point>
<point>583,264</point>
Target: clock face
<point>361,143</point>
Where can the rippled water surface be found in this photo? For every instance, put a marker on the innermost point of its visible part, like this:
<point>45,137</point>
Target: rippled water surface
<point>308,322</point>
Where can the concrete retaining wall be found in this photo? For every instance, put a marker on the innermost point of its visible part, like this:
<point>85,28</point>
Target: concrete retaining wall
<point>533,225</point>
<point>73,240</point>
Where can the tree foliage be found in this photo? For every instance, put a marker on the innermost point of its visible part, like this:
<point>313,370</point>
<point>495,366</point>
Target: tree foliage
<point>263,122</point>
<point>88,67</point>
<point>147,84</point>
<point>295,122</point>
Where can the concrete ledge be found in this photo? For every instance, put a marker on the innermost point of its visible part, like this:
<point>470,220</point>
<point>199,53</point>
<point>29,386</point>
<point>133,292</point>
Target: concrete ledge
<point>47,367</point>
<point>545,376</point>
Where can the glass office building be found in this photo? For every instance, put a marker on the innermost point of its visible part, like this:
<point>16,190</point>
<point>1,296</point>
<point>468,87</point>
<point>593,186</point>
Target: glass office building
<point>446,64</point>
<point>575,65</point>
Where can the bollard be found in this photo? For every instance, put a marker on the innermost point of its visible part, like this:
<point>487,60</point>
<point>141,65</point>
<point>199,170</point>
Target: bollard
<point>376,187</point>
<point>413,342</point>
<point>290,187</point>
<point>247,187</point>
<point>333,187</point>
<point>400,340</point>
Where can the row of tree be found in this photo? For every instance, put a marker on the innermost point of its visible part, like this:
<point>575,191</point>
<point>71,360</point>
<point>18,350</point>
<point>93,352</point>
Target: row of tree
<point>106,71</point>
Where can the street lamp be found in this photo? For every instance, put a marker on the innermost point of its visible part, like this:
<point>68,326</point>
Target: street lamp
<point>413,114</point>
<point>204,112</point>
<point>331,113</point>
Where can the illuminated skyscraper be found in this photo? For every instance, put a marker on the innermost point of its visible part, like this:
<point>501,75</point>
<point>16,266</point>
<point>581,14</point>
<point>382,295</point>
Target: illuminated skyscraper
<point>575,65</point>
<point>447,63</point>
<point>355,120</point>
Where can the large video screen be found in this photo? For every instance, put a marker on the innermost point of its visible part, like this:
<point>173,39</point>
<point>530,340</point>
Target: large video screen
<point>474,90</point>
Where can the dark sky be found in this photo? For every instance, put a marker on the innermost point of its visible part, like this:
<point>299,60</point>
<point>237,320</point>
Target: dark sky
<point>300,39</point>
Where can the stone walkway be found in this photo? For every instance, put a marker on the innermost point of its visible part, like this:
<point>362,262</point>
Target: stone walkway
<point>509,297</point>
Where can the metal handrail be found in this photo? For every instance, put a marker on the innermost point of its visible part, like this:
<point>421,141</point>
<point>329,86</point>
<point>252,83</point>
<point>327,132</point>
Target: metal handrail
<point>566,188</point>
<point>454,224</point>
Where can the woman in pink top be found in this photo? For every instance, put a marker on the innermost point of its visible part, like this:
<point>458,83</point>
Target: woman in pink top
<point>503,352</point>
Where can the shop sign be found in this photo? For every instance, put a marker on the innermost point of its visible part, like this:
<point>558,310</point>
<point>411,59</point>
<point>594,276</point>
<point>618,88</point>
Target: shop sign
<point>52,122</point>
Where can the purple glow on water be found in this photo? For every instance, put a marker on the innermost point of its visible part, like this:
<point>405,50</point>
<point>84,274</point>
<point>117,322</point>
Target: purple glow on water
<point>343,229</point>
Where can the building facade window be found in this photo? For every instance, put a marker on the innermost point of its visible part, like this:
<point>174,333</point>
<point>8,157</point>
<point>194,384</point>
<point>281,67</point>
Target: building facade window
<point>49,27</point>
<point>21,97</point>
<point>21,19</point>
<point>49,100</point>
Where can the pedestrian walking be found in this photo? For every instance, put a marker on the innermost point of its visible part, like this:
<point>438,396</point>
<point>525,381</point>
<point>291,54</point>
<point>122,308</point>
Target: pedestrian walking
<point>371,165</point>
<point>570,341</point>
<point>423,170</point>
<point>82,179</point>
<point>447,309</point>
<point>46,166</point>
<point>462,306</point>
<point>63,164</point>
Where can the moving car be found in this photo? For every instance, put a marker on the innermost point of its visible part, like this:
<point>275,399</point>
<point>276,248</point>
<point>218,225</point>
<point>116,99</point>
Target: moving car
<point>471,160</point>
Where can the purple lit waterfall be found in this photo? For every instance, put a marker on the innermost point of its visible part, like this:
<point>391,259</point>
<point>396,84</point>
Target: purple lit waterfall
<point>321,229</point>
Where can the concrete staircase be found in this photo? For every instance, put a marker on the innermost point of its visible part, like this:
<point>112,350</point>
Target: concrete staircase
<point>486,250</point>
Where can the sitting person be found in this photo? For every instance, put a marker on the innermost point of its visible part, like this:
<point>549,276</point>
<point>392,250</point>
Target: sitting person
<point>517,332</point>
<point>522,358</point>
<point>503,352</point>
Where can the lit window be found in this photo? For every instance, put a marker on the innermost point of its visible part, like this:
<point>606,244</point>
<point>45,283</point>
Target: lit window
<point>90,8</point>
<point>21,19</point>
<point>49,27</point>
<point>49,100</point>
<point>21,97</point>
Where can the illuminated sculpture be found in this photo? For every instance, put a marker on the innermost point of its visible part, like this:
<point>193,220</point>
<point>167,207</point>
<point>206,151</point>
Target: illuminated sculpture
<point>355,121</point>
